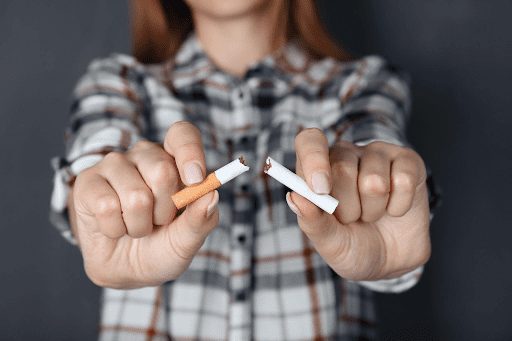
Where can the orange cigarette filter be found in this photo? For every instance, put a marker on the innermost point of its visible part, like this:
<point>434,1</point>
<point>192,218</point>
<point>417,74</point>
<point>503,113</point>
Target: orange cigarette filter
<point>213,181</point>
<point>192,193</point>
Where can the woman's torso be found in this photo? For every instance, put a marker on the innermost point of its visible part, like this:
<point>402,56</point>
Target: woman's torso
<point>256,276</point>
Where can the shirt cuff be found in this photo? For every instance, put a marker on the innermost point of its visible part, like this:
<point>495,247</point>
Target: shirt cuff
<point>395,285</point>
<point>387,139</point>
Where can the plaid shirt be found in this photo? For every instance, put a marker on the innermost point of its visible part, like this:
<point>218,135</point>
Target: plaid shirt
<point>257,276</point>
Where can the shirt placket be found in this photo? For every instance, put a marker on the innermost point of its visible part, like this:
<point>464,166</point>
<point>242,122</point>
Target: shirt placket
<point>240,320</point>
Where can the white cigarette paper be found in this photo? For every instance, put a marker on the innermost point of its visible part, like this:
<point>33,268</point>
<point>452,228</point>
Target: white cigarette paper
<point>231,171</point>
<point>297,184</point>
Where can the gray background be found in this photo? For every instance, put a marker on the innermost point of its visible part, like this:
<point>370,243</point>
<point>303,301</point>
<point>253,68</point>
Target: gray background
<point>458,54</point>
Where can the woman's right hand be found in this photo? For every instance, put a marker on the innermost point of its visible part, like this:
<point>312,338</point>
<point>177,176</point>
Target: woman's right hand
<point>125,221</point>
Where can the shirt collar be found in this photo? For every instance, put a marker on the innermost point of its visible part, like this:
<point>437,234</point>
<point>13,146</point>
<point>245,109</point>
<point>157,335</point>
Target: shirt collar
<point>192,65</point>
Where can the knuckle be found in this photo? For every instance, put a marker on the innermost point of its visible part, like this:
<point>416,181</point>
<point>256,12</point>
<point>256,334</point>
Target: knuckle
<point>344,151</point>
<point>113,158</point>
<point>404,182</point>
<point>380,148</point>
<point>88,173</point>
<point>408,152</point>
<point>161,174</point>
<point>345,168</point>
<point>142,144</point>
<point>378,145</point>
<point>374,185</point>
<point>415,161</point>
<point>343,144</point>
<point>83,178</point>
<point>139,199</point>
<point>412,155</point>
<point>107,205</point>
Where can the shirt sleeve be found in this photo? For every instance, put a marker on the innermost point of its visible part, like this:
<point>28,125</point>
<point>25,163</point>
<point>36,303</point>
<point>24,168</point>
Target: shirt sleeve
<point>375,104</point>
<point>107,114</point>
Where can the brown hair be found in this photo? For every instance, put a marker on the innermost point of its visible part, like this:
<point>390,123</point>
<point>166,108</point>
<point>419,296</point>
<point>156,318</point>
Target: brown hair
<point>160,26</point>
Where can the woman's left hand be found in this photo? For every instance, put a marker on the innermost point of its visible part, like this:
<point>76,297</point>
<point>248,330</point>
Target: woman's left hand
<point>380,229</point>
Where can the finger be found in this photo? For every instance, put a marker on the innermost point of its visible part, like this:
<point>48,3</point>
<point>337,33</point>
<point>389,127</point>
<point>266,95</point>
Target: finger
<point>321,228</point>
<point>96,195</point>
<point>313,152</point>
<point>374,184</point>
<point>159,172</point>
<point>135,197</point>
<point>183,142</point>
<point>345,162</point>
<point>407,172</point>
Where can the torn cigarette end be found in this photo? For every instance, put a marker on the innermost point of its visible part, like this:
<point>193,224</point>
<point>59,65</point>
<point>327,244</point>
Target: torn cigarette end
<point>267,165</point>
<point>212,182</point>
<point>298,185</point>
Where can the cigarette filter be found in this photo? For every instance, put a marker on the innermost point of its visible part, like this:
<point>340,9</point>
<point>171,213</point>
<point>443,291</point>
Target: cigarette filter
<point>297,184</point>
<point>212,182</point>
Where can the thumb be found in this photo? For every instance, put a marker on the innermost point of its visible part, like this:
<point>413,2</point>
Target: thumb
<point>188,232</point>
<point>166,253</point>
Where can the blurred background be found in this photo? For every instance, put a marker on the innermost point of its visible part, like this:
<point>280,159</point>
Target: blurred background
<point>458,54</point>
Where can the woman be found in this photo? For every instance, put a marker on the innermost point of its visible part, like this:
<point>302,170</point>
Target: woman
<point>212,81</point>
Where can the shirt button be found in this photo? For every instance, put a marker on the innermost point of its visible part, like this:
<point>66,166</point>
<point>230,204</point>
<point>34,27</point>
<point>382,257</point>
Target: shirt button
<point>244,140</point>
<point>240,296</point>
<point>244,188</point>
<point>241,238</point>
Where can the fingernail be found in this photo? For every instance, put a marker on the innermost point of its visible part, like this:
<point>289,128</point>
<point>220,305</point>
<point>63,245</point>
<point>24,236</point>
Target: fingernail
<point>292,205</point>
<point>320,183</point>
<point>213,205</point>
<point>193,173</point>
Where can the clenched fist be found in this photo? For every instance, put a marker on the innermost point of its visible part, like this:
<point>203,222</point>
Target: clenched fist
<point>380,229</point>
<point>125,222</point>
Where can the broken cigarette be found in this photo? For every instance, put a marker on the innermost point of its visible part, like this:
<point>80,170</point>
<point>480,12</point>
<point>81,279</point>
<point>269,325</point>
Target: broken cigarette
<point>297,184</point>
<point>212,182</point>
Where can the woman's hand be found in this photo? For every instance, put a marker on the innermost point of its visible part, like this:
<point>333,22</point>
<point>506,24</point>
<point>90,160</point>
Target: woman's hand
<point>381,227</point>
<point>122,214</point>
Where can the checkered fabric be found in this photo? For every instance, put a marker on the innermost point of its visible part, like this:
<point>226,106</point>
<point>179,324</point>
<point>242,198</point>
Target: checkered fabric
<point>257,276</point>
